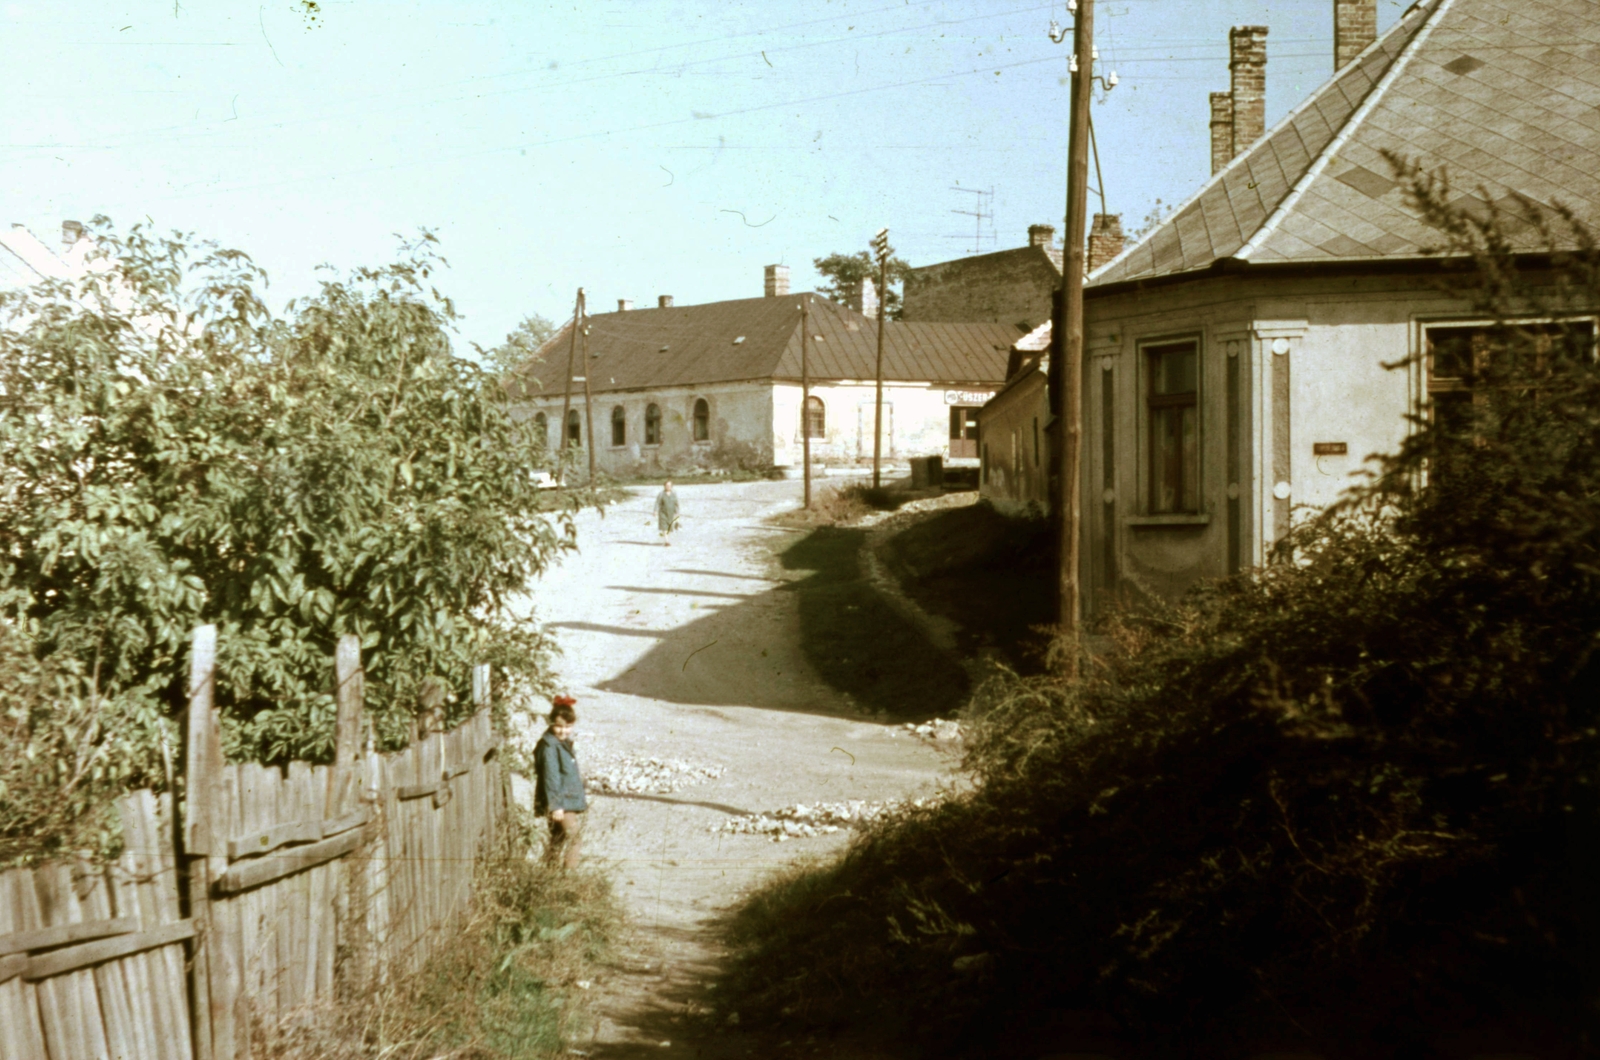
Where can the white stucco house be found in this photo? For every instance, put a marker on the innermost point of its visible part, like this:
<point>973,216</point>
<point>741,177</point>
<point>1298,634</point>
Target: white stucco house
<point>1244,359</point>
<point>718,385</point>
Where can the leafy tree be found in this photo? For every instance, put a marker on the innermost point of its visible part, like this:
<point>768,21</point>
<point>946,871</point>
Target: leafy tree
<point>173,453</point>
<point>844,271</point>
<point>519,346</point>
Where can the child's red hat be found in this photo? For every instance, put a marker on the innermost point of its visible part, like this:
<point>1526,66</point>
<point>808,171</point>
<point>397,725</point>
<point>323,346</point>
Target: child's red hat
<point>564,701</point>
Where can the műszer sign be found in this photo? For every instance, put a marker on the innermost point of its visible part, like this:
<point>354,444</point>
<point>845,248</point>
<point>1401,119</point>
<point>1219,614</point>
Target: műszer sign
<point>967,397</point>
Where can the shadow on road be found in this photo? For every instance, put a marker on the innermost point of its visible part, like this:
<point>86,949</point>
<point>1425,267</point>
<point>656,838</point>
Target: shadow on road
<point>855,642</point>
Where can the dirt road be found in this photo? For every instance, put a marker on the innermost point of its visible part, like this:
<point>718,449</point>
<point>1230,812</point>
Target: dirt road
<point>693,652</point>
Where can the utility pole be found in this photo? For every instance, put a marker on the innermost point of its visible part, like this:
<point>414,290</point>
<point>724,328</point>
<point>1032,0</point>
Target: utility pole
<point>566,399</point>
<point>1066,342</point>
<point>880,246</point>
<point>588,404</point>
<point>805,397</point>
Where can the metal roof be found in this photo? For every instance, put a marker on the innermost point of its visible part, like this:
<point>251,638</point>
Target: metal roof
<point>759,339</point>
<point>1500,93</point>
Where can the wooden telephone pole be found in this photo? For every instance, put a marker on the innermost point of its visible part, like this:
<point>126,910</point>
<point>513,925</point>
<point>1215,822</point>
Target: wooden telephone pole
<point>566,399</point>
<point>805,397</point>
<point>1066,340</point>
<point>588,403</point>
<point>880,247</point>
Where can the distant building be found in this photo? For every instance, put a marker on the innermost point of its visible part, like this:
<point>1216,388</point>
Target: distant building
<point>1015,471</point>
<point>25,259</point>
<point>718,385</point>
<point>1006,287</point>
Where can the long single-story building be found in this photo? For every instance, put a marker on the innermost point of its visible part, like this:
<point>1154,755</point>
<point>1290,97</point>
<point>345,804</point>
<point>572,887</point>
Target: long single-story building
<point>719,385</point>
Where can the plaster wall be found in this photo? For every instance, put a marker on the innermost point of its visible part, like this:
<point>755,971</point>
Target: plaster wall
<point>916,420</point>
<point>1285,363</point>
<point>1013,440</point>
<point>1006,287</point>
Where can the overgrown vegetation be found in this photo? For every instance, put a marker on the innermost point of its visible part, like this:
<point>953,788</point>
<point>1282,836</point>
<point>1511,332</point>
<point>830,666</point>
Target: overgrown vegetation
<point>1347,802</point>
<point>173,453</point>
<point>511,984</point>
<point>840,504</point>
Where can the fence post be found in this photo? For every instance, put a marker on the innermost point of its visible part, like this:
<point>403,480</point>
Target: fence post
<point>354,951</point>
<point>204,852</point>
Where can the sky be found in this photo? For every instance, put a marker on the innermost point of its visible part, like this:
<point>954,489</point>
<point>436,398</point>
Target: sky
<point>634,148</point>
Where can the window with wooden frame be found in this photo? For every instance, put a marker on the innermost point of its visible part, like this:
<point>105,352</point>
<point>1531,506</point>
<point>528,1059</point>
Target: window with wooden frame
<point>541,428</point>
<point>816,425</point>
<point>1172,413</point>
<point>702,420</point>
<point>619,426</point>
<point>1467,364</point>
<point>574,428</point>
<point>652,424</point>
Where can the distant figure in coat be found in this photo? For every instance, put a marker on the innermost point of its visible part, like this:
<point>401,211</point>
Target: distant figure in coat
<point>558,792</point>
<point>667,513</point>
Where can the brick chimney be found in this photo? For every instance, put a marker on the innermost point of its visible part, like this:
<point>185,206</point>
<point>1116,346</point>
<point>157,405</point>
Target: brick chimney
<point>1105,239</point>
<point>624,304</point>
<point>777,281</point>
<point>1221,130</point>
<point>1041,235</point>
<point>1355,25</point>
<point>71,232</point>
<point>862,296</point>
<point>1247,50</point>
<point>664,302</point>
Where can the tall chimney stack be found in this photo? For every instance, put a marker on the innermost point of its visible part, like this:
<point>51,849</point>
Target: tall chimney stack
<point>1105,239</point>
<point>1247,50</point>
<point>777,278</point>
<point>71,232</point>
<point>1221,130</point>
<point>863,297</point>
<point>1041,235</point>
<point>624,304</point>
<point>1355,25</point>
<point>664,301</point>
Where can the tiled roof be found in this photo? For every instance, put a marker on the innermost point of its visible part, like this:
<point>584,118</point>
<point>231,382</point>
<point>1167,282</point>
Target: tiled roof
<point>1501,93</point>
<point>759,338</point>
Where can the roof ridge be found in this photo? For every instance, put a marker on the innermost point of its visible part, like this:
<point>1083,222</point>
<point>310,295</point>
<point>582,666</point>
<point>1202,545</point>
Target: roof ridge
<point>1294,112</point>
<point>1347,130</point>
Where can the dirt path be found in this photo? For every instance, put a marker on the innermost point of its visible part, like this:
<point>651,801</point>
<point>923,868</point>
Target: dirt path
<point>693,652</point>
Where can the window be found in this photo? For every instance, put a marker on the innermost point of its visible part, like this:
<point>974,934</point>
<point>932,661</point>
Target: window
<point>1172,385</point>
<point>574,428</point>
<point>652,425</point>
<point>816,425</point>
<point>1468,363</point>
<point>619,426</point>
<point>702,420</point>
<point>541,428</point>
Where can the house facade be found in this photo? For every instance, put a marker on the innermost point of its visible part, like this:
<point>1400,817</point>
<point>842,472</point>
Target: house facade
<point>1245,361</point>
<point>720,385</point>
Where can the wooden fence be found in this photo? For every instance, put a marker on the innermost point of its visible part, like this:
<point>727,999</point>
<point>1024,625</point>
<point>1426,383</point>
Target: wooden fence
<point>276,891</point>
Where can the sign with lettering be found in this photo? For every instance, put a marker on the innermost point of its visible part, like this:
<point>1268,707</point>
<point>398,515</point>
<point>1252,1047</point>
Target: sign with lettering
<point>1329,448</point>
<point>967,397</point>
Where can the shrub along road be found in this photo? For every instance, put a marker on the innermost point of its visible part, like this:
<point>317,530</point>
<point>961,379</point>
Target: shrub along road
<point>743,646</point>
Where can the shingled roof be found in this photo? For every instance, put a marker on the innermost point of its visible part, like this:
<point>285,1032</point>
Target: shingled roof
<point>1501,93</point>
<point>759,339</point>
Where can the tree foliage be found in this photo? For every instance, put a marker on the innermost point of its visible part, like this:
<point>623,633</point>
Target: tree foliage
<point>845,271</point>
<point>173,453</point>
<point>1347,802</point>
<point>519,347</point>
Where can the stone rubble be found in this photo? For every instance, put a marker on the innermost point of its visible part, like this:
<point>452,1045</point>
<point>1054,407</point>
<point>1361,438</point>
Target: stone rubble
<point>937,730</point>
<point>801,821</point>
<point>646,776</point>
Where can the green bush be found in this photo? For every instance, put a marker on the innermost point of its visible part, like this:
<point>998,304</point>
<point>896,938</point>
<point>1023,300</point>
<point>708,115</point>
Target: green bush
<point>172,453</point>
<point>1348,799</point>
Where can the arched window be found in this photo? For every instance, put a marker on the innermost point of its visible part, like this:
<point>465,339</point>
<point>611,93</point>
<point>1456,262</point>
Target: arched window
<point>702,420</point>
<point>541,428</point>
<point>816,418</point>
<point>574,428</point>
<point>619,426</point>
<point>652,425</point>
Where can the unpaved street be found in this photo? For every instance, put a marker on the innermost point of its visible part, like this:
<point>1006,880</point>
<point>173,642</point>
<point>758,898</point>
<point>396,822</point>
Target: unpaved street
<point>692,652</point>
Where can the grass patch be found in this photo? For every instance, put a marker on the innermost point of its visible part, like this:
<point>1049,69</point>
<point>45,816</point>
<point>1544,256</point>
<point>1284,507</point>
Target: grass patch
<point>991,574</point>
<point>504,987</point>
<point>839,505</point>
<point>857,643</point>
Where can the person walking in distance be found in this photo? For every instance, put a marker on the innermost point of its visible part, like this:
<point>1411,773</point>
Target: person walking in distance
<point>558,792</point>
<point>667,513</point>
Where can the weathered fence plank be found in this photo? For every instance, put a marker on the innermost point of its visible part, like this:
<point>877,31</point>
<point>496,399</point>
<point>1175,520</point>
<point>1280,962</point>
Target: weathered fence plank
<point>21,1034</point>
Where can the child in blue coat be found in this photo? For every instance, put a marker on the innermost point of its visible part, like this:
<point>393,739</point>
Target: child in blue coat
<point>558,792</point>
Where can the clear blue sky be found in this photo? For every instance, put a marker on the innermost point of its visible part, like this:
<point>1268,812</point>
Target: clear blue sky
<point>634,148</point>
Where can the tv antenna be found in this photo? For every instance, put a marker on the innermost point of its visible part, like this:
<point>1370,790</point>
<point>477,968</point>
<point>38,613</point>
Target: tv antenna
<point>984,211</point>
